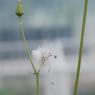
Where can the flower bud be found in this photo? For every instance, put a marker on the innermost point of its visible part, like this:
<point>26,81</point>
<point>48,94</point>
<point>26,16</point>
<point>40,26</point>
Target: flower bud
<point>19,9</point>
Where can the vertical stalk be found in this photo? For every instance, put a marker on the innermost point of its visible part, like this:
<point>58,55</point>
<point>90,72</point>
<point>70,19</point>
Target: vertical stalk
<point>28,53</point>
<point>81,47</point>
<point>19,13</point>
<point>25,42</point>
<point>37,83</point>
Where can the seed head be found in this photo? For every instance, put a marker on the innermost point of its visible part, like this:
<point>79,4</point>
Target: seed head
<point>41,57</point>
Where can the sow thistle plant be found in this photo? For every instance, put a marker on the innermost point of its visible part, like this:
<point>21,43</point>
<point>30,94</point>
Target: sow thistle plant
<point>41,56</point>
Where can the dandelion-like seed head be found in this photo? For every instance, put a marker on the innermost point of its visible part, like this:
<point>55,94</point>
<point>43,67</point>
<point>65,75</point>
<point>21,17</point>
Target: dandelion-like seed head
<point>41,56</point>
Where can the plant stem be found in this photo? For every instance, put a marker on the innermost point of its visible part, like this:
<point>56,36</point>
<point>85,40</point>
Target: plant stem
<point>19,13</point>
<point>37,82</point>
<point>25,42</point>
<point>81,47</point>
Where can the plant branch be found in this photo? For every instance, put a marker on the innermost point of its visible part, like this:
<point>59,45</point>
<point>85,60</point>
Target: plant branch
<point>25,42</point>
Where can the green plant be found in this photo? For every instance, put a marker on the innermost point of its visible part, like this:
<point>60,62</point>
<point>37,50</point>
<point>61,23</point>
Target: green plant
<point>40,55</point>
<point>19,13</point>
<point>81,47</point>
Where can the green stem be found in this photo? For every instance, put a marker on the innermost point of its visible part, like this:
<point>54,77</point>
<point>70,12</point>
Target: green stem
<point>37,82</point>
<point>25,42</point>
<point>81,47</point>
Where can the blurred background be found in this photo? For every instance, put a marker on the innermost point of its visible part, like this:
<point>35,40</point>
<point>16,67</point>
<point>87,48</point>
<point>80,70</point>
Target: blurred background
<point>53,24</point>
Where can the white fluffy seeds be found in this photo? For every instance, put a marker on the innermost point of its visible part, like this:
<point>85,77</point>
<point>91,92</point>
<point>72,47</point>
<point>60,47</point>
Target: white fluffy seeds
<point>41,56</point>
